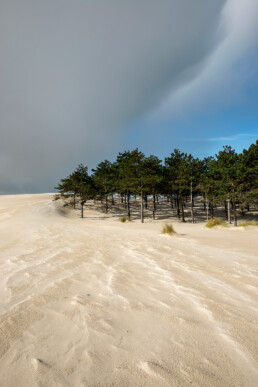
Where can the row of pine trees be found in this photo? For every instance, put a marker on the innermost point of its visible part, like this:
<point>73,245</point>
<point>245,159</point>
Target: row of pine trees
<point>228,179</point>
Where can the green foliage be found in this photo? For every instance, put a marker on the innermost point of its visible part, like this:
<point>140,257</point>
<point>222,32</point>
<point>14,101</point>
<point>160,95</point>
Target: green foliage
<point>227,174</point>
<point>176,171</point>
<point>79,183</point>
<point>249,173</point>
<point>168,229</point>
<point>129,166</point>
<point>216,222</point>
<point>104,177</point>
<point>228,179</point>
<point>248,223</point>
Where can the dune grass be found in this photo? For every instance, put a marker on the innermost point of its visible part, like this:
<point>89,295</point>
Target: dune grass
<point>124,219</point>
<point>248,223</point>
<point>168,229</point>
<point>216,222</point>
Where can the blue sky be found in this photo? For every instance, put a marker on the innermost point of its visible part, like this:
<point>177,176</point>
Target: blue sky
<point>223,110</point>
<point>197,133</point>
<point>201,137</point>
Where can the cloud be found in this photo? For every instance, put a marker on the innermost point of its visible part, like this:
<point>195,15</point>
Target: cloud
<point>234,137</point>
<point>230,66</point>
<point>73,75</point>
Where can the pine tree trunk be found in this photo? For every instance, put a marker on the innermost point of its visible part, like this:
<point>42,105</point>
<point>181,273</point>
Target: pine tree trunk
<point>226,210</point>
<point>128,205</point>
<point>207,207</point>
<point>182,208</point>
<point>142,220</point>
<point>113,202</point>
<point>235,214</point>
<point>192,205</point>
<point>106,207</point>
<point>154,206</point>
<point>82,211</point>
<point>212,209</point>
<point>229,211</point>
<point>74,200</point>
<point>178,206</point>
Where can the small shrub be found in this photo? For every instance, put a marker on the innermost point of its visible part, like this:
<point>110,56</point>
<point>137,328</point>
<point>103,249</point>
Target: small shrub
<point>248,223</point>
<point>216,222</point>
<point>56,197</point>
<point>168,229</point>
<point>124,219</point>
<point>65,204</point>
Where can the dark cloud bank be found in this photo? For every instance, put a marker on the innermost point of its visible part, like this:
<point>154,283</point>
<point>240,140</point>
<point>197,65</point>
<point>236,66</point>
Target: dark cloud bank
<point>73,74</point>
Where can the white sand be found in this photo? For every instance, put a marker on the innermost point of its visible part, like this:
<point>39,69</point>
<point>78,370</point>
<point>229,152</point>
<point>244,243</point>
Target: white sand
<point>95,302</point>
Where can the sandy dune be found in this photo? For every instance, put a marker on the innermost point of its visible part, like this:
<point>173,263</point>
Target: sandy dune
<point>94,302</point>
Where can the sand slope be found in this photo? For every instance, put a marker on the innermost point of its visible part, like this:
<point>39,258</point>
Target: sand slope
<point>94,302</point>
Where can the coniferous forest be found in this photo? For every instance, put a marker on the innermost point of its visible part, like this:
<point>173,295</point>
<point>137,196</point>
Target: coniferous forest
<point>229,181</point>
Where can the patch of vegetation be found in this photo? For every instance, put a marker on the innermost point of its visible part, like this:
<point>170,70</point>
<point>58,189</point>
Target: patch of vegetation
<point>168,229</point>
<point>124,219</point>
<point>229,178</point>
<point>216,222</point>
<point>248,223</point>
<point>65,204</point>
<point>56,197</point>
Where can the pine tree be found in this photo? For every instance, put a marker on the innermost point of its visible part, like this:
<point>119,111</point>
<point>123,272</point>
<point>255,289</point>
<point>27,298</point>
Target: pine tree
<point>80,184</point>
<point>151,178</point>
<point>249,174</point>
<point>229,179</point>
<point>228,184</point>
<point>104,180</point>
<point>129,166</point>
<point>177,178</point>
<point>194,170</point>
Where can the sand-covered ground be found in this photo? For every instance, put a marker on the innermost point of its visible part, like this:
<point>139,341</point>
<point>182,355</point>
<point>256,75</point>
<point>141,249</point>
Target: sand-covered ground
<point>94,302</point>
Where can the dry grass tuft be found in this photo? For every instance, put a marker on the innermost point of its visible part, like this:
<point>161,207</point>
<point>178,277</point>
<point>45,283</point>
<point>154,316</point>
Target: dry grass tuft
<point>124,219</point>
<point>168,229</point>
<point>248,223</point>
<point>216,222</point>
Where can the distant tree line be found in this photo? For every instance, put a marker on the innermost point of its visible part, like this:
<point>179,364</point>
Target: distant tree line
<point>229,179</point>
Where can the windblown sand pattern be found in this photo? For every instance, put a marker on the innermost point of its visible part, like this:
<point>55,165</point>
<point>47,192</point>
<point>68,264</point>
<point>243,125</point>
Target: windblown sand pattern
<point>94,302</point>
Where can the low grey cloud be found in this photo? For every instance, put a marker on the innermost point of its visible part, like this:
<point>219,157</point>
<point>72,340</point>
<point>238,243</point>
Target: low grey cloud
<point>73,75</point>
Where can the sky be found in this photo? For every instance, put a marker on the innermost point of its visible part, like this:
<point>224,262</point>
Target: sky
<point>83,80</point>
